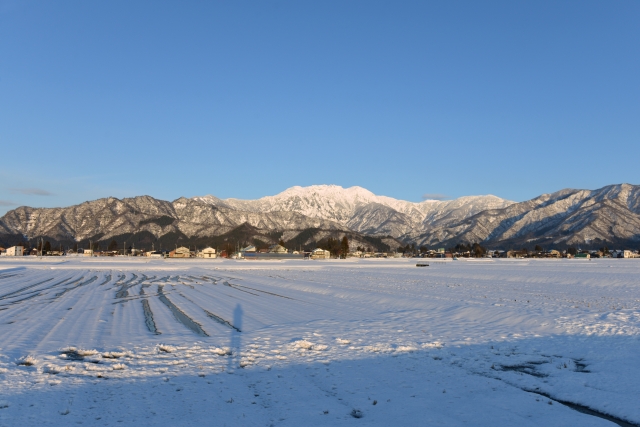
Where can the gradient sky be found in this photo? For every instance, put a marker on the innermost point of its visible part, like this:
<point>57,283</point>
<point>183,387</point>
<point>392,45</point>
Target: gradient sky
<point>245,99</point>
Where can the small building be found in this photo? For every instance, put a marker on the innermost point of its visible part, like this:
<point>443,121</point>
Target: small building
<point>320,254</point>
<point>87,252</point>
<point>14,251</point>
<point>154,254</point>
<point>207,253</point>
<point>583,255</point>
<point>277,249</point>
<point>249,248</point>
<point>180,252</point>
<point>553,253</point>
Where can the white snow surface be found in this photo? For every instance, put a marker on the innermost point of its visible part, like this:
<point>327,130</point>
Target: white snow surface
<point>318,343</point>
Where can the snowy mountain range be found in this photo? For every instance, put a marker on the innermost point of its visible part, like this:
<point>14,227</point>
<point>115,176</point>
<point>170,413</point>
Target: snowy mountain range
<point>305,215</point>
<point>565,218</point>
<point>360,210</point>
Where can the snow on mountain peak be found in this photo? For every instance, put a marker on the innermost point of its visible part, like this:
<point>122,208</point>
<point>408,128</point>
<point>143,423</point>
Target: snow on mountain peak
<point>344,205</point>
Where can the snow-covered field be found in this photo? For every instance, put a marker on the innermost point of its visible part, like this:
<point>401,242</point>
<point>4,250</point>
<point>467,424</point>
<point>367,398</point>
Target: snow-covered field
<point>304,343</point>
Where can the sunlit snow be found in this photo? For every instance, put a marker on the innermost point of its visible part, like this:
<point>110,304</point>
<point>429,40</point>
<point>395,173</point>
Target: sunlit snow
<point>344,342</point>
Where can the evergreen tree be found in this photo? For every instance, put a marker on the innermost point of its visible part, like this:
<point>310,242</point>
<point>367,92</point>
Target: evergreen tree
<point>113,246</point>
<point>344,246</point>
<point>47,246</point>
<point>477,250</point>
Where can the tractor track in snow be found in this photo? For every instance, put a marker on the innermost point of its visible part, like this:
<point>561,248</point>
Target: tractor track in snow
<point>180,315</point>
<point>24,289</point>
<point>88,282</point>
<point>123,292</point>
<point>40,291</point>
<point>221,320</point>
<point>148,318</point>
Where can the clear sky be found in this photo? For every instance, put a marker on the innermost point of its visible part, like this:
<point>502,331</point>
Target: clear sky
<point>245,99</point>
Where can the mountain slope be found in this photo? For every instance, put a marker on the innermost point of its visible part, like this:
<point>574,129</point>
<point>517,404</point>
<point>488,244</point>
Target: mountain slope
<point>306,214</point>
<point>567,217</point>
<point>362,211</point>
<point>105,218</point>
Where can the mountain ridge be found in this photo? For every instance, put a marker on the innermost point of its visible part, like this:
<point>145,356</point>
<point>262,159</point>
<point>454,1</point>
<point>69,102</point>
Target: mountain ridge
<point>562,218</point>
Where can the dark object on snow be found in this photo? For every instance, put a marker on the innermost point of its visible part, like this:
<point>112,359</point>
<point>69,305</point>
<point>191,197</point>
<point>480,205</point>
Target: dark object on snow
<point>422,264</point>
<point>357,413</point>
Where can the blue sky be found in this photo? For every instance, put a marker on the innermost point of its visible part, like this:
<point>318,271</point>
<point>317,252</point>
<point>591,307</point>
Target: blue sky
<point>245,99</point>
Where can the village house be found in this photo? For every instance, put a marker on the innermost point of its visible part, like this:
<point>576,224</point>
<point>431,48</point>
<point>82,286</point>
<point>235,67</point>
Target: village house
<point>320,254</point>
<point>277,249</point>
<point>207,253</point>
<point>553,253</point>
<point>180,252</point>
<point>14,251</point>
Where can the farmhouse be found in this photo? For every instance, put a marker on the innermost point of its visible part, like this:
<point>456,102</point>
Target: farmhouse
<point>180,252</point>
<point>15,251</point>
<point>320,254</point>
<point>208,253</point>
<point>277,249</point>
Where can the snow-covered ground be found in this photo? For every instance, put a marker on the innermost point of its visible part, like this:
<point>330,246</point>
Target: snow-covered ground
<point>351,342</point>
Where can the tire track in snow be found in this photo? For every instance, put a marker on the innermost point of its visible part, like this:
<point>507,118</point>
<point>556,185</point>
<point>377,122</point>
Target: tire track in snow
<point>209,314</point>
<point>265,292</point>
<point>10,294</point>
<point>148,318</point>
<point>179,314</point>
<point>241,290</point>
<point>221,320</point>
<point>123,292</point>
<point>40,292</point>
<point>88,282</point>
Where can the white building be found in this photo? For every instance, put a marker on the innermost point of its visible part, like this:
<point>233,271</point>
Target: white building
<point>180,252</point>
<point>207,253</point>
<point>15,251</point>
<point>154,254</point>
<point>320,254</point>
